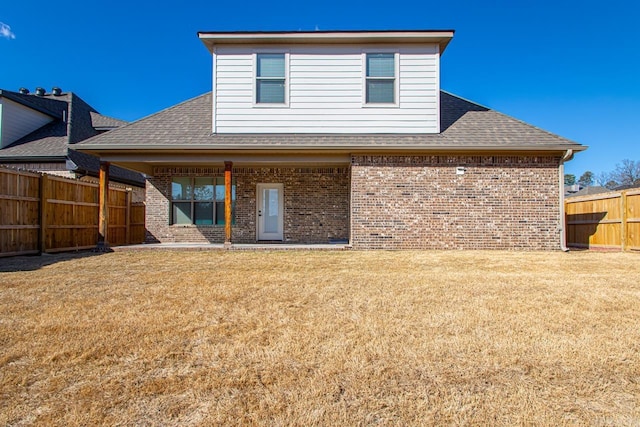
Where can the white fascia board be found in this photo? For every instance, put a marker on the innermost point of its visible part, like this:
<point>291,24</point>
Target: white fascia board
<point>442,38</point>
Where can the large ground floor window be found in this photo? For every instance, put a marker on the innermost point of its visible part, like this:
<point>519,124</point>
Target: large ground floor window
<point>199,200</point>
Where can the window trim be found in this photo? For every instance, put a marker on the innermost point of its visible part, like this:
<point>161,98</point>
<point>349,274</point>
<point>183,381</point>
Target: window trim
<point>396,79</point>
<point>193,201</point>
<point>255,77</point>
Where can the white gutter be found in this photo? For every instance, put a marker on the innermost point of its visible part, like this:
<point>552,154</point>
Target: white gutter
<point>562,225</point>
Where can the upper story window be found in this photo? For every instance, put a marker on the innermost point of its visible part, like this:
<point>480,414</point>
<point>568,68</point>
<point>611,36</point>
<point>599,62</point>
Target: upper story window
<point>380,85</point>
<point>271,80</point>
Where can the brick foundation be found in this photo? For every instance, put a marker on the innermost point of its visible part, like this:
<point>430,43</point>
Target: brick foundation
<point>500,202</point>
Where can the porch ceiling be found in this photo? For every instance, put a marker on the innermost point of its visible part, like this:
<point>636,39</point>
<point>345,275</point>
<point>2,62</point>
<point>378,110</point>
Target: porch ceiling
<point>146,162</point>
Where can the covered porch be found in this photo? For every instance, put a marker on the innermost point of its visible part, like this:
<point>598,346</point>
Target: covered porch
<point>275,200</point>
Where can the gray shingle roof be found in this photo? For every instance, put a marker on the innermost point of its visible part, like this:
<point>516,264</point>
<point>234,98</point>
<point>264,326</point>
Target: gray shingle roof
<point>464,125</point>
<point>71,124</point>
<point>186,123</point>
<point>48,141</point>
<point>100,122</point>
<point>52,141</point>
<point>587,191</point>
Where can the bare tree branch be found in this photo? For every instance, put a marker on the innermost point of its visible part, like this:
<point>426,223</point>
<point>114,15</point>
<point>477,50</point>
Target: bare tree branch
<point>627,172</point>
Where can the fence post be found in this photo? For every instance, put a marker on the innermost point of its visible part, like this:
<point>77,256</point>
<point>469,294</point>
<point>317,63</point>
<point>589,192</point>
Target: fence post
<point>44,195</point>
<point>623,213</point>
<point>127,217</point>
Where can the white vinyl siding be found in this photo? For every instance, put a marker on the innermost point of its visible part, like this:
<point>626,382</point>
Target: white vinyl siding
<point>17,121</point>
<point>326,92</point>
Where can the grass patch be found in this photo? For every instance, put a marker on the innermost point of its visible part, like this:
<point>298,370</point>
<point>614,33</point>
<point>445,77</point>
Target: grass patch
<point>320,338</point>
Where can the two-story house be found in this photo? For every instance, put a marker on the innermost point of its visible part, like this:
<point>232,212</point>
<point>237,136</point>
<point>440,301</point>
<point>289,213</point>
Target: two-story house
<point>39,130</point>
<point>328,136</point>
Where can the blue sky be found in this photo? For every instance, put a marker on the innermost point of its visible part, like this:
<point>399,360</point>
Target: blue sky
<point>570,67</point>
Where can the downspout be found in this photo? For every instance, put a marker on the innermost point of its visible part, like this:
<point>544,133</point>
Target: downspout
<point>563,234</point>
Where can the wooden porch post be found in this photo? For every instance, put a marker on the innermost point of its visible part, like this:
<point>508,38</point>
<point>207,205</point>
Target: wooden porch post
<point>227,203</point>
<point>103,210</point>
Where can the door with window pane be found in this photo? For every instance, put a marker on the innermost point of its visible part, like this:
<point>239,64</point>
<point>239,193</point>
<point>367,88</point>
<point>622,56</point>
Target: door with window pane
<point>270,212</point>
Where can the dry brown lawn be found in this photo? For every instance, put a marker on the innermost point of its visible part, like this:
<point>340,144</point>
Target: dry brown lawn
<point>320,338</point>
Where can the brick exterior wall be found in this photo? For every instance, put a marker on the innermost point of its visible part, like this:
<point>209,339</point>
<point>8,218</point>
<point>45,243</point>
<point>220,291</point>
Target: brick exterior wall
<point>500,202</point>
<point>316,204</point>
<point>398,202</point>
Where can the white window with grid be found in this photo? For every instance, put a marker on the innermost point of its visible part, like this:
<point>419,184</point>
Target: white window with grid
<point>381,82</point>
<point>271,74</point>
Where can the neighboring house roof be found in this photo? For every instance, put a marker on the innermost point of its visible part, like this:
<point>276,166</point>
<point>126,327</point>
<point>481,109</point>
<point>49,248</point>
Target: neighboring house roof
<point>587,191</point>
<point>627,187</point>
<point>53,106</point>
<point>572,189</point>
<point>48,142</point>
<point>74,121</point>
<point>464,126</point>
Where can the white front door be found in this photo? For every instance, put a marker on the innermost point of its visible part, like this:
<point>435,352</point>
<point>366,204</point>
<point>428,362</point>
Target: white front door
<point>270,212</point>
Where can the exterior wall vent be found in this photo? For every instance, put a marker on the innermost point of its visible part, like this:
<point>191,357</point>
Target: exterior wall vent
<point>56,91</point>
<point>40,91</point>
<point>24,91</point>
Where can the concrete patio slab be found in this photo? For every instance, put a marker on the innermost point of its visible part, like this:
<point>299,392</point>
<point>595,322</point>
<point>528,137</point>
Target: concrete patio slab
<point>232,247</point>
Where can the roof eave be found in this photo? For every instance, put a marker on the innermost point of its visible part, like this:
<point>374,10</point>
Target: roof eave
<point>32,159</point>
<point>102,148</point>
<point>440,37</point>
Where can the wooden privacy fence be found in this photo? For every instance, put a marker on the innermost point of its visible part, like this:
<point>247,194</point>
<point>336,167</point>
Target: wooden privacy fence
<point>607,220</point>
<point>45,213</point>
